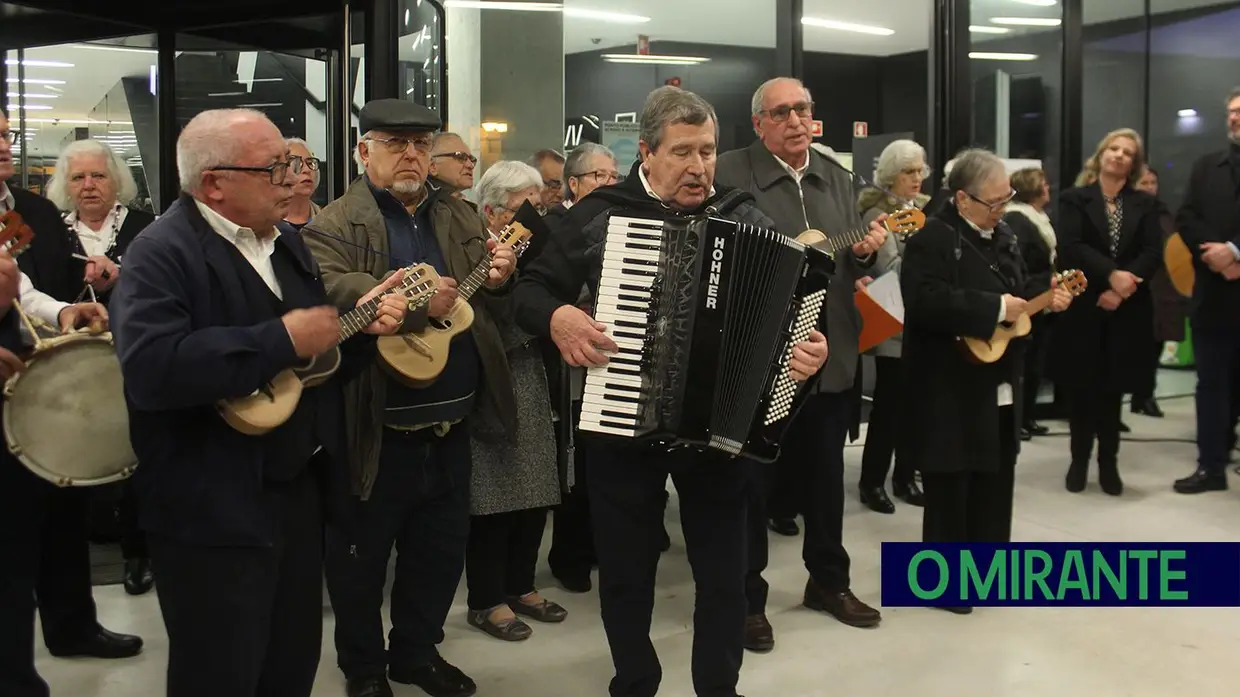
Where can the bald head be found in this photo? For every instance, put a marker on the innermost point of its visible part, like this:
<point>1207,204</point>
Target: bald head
<point>221,158</point>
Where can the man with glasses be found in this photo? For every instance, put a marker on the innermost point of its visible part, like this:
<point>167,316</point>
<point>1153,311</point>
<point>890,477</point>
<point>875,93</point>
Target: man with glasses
<point>218,297</point>
<point>801,189</point>
<point>550,164</point>
<point>452,164</point>
<point>410,459</point>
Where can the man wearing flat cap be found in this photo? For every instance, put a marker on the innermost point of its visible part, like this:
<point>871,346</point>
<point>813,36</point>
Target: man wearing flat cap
<point>409,447</point>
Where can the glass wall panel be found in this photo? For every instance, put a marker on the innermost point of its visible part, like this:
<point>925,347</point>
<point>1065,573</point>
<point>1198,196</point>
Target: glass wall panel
<point>75,91</point>
<point>1194,64</point>
<point>1015,57</point>
<point>1114,75</point>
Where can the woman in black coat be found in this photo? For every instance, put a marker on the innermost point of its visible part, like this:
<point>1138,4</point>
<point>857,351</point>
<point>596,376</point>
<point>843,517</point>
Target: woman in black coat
<point>962,276</point>
<point>1111,232</point>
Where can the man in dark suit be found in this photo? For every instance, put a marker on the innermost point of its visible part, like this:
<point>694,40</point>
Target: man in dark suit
<point>51,565</point>
<point>801,189</point>
<point>1209,222</point>
<point>215,302</point>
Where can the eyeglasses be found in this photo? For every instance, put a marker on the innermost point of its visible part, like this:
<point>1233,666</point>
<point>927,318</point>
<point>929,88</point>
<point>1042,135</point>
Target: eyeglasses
<point>10,136</point>
<point>397,145</point>
<point>277,171</point>
<point>781,113</point>
<point>993,205</point>
<point>601,176</point>
<point>923,172</point>
<point>459,156</point>
<point>311,163</point>
<point>553,183</point>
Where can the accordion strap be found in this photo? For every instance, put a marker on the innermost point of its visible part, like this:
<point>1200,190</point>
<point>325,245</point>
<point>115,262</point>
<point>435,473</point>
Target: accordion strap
<point>729,201</point>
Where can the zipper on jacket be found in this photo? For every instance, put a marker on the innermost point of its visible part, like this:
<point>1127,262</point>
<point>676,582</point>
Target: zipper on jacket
<point>804,213</point>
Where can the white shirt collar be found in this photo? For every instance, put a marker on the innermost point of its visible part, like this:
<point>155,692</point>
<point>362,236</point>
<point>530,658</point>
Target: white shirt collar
<point>796,173</point>
<point>6,200</point>
<point>230,230</point>
<point>567,204</point>
<point>641,174</point>
<point>986,234</point>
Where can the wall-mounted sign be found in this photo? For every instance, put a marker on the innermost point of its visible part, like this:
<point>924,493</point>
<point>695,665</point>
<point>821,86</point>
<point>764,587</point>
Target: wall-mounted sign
<point>673,81</point>
<point>643,45</point>
<point>621,139</point>
<point>861,129</point>
<point>816,129</point>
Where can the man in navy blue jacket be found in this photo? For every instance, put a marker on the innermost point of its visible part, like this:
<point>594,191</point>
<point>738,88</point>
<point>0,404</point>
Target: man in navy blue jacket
<point>215,301</point>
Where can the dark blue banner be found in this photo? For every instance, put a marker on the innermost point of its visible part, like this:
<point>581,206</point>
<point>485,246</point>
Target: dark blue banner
<point>1106,574</point>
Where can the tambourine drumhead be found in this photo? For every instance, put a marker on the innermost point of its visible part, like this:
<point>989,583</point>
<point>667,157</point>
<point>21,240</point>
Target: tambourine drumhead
<point>65,418</point>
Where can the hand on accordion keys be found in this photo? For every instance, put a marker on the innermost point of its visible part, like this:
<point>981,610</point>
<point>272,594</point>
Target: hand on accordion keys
<point>579,338</point>
<point>808,357</point>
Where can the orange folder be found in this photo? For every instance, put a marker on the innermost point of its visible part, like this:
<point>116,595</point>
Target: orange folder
<point>882,311</point>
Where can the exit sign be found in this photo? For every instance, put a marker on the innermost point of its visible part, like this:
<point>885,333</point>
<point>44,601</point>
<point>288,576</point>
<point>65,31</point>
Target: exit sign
<point>861,129</point>
<point>816,129</point>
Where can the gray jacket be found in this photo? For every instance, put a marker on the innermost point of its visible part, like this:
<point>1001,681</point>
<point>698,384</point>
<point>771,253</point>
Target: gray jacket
<point>824,200</point>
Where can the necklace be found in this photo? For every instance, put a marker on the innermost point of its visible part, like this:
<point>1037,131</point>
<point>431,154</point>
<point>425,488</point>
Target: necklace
<point>72,219</point>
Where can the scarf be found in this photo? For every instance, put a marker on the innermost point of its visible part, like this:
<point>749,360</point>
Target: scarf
<point>1040,220</point>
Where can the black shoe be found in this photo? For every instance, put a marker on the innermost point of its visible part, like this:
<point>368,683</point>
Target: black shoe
<point>575,582</point>
<point>759,635</point>
<point>1149,407</point>
<point>1200,482</point>
<point>368,687</point>
<point>909,493</point>
<point>1034,428</point>
<point>784,526</point>
<point>138,576</point>
<point>1078,472</point>
<point>875,498</point>
<point>1108,478</point>
<point>102,644</point>
<point>438,678</point>
<point>957,609</point>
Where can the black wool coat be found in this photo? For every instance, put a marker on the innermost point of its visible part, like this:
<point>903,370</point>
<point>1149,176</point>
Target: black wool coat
<point>951,413</point>
<point>1095,348</point>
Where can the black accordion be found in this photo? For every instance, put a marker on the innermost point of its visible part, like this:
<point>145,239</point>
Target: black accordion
<point>705,313</point>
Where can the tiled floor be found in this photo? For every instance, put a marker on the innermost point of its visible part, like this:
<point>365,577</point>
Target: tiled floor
<point>992,653</point>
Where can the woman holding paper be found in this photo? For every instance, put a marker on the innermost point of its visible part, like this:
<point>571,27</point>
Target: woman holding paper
<point>900,173</point>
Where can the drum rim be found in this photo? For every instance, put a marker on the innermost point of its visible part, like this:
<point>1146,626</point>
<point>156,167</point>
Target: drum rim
<point>45,348</point>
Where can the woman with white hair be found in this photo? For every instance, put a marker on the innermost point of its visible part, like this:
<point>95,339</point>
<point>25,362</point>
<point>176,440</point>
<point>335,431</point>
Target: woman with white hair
<point>901,171</point>
<point>513,484</point>
<point>94,188</point>
<point>301,209</point>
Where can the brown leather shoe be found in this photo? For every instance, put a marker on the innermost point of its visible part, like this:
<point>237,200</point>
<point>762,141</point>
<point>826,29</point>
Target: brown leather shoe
<point>842,605</point>
<point>759,635</point>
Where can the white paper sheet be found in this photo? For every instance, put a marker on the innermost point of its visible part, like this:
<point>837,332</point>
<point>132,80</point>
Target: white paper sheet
<point>885,290</point>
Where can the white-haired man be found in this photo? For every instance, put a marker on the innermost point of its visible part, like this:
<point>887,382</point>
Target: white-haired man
<point>43,528</point>
<point>219,296</point>
<point>802,189</point>
<point>410,457</point>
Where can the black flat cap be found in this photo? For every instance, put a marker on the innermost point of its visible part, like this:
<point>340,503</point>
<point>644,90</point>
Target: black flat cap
<point>397,115</point>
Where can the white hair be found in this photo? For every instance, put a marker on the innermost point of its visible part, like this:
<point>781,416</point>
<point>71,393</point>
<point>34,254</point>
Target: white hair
<point>206,142</point>
<point>759,95</point>
<point>898,156</point>
<point>502,179</point>
<point>298,141</point>
<point>58,187</point>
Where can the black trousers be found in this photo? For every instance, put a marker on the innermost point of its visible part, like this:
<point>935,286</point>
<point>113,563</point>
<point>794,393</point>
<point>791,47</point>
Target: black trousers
<point>814,449</point>
<point>1217,354</point>
<point>247,621</point>
<point>880,438</point>
<point>420,505</point>
<point>972,506</point>
<point>1155,356</point>
<point>572,534</point>
<point>627,488</point>
<point>133,539</point>
<point>1094,414</point>
<point>502,555</point>
<point>44,559</point>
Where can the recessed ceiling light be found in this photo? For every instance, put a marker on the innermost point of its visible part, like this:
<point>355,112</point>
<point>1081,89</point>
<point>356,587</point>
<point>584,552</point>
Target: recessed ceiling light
<point>31,107</point>
<point>983,55</point>
<point>120,49</point>
<point>499,5</point>
<point>652,59</point>
<point>981,29</point>
<point>1026,21</point>
<point>33,95</point>
<point>78,122</point>
<point>613,17</point>
<point>1186,113</point>
<point>38,81</point>
<point>1038,3</point>
<point>38,63</point>
<point>846,26</point>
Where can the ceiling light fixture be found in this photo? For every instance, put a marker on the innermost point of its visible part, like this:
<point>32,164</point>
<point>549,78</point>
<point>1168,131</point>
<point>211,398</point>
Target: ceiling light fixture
<point>1026,21</point>
<point>499,5</point>
<point>1186,113</point>
<point>38,81</point>
<point>653,59</point>
<point>981,29</point>
<point>1038,3</point>
<point>38,64</point>
<point>120,49</point>
<point>30,107</point>
<point>846,26</point>
<point>495,126</point>
<point>613,17</point>
<point>79,122</point>
<point>983,55</point>
<point>33,95</point>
